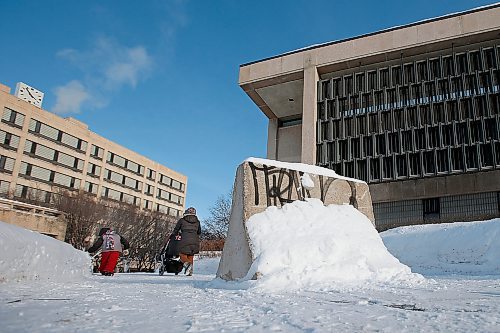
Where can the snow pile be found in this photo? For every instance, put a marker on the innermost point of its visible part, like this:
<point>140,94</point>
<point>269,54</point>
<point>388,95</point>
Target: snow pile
<point>29,255</point>
<point>306,245</point>
<point>471,248</point>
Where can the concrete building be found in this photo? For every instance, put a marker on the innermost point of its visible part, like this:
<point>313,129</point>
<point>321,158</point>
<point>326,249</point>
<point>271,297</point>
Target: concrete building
<point>413,110</point>
<point>42,153</point>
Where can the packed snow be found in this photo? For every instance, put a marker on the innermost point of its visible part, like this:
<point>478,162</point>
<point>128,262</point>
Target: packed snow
<point>467,248</point>
<point>306,245</point>
<point>307,168</point>
<point>28,255</point>
<point>148,302</point>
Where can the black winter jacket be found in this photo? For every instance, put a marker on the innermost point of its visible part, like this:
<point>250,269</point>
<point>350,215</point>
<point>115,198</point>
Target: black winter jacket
<point>190,230</point>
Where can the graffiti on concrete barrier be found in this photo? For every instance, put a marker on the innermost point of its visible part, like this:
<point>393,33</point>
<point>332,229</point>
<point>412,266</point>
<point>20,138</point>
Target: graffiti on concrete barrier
<point>283,186</point>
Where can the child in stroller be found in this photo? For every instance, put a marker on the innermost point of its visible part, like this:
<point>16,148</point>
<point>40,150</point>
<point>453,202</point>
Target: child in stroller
<point>169,257</point>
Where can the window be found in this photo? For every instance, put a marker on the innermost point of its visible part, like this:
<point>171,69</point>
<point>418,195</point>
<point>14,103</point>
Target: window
<point>409,72</point>
<point>372,80</point>
<point>165,180</point>
<point>149,189</point>
<point>462,64</point>
<point>415,165</point>
<point>374,170</point>
<point>431,208</point>
<point>48,176</point>
<point>93,170</point>
<point>13,118</point>
<point>96,152</point>
<point>120,179</point>
<point>360,82</point>
<point>40,151</point>
<point>8,140</point>
<point>6,164</point>
<point>457,159</point>
<point>429,163</point>
<point>384,77</point>
<point>442,161</point>
<point>91,187</point>
<point>388,168</point>
<point>401,166</point>
<point>53,134</point>
<point>422,71</point>
<point>396,75</point>
<point>124,163</point>
<point>448,66</point>
<point>4,188</point>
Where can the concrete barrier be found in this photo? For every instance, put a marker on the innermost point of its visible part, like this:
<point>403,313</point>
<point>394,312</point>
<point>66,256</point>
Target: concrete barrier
<point>44,220</point>
<point>262,183</point>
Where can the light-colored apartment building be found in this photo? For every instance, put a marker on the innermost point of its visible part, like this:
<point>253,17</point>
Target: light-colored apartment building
<point>42,153</point>
<point>412,110</point>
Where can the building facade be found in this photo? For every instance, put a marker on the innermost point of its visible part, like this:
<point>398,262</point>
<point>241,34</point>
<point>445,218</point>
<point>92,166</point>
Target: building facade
<point>42,154</point>
<point>414,111</point>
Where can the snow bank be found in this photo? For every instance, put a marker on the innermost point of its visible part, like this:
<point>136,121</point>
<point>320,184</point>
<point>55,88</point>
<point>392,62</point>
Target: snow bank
<point>29,255</point>
<point>471,248</point>
<point>306,245</point>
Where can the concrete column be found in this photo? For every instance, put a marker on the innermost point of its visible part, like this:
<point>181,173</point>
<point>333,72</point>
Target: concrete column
<point>272,139</point>
<point>309,115</point>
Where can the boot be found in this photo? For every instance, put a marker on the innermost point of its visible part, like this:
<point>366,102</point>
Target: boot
<point>187,267</point>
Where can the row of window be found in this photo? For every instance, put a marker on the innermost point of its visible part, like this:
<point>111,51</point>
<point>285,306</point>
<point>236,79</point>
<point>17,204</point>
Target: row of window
<point>119,196</point>
<point>53,134</point>
<point>15,118</point>
<point>118,178</point>
<point>456,106</point>
<point>48,176</point>
<point>34,194</point>
<point>124,163</point>
<point>421,164</point>
<point>170,182</point>
<point>430,69</point>
<point>42,196</point>
<point>415,139</point>
<point>168,210</point>
<point>446,209</point>
<point>49,154</point>
<point>165,195</point>
<point>147,204</point>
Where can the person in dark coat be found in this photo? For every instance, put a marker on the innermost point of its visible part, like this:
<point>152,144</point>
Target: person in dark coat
<point>111,245</point>
<point>190,230</point>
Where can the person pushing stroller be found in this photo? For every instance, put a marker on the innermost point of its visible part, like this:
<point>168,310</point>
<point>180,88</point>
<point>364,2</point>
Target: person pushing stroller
<point>190,230</point>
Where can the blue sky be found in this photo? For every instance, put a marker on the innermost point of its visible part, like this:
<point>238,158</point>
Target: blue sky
<point>160,77</point>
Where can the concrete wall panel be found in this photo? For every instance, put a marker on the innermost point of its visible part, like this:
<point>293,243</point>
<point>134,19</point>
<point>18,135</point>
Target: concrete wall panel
<point>258,186</point>
<point>436,186</point>
<point>478,22</point>
<point>289,143</point>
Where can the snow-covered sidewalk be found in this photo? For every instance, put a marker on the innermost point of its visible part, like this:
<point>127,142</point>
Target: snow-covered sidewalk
<point>150,303</point>
<point>46,285</point>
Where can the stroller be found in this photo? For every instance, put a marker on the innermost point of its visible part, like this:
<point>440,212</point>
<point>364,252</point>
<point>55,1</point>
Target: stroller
<point>169,257</point>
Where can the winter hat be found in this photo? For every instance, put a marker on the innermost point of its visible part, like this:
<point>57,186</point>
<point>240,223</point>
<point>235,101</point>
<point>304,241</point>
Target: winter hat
<point>190,211</point>
<point>103,231</point>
